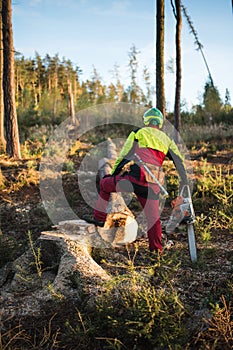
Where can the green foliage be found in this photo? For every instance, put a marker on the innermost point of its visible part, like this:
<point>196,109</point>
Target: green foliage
<point>211,99</point>
<point>34,267</point>
<point>44,85</point>
<point>134,91</point>
<point>32,149</point>
<point>203,226</point>
<point>225,117</point>
<point>215,188</point>
<point>137,314</point>
<point>36,252</point>
<point>210,109</point>
<point>79,332</point>
<point>42,94</point>
<point>216,206</point>
<point>56,294</point>
<point>68,166</point>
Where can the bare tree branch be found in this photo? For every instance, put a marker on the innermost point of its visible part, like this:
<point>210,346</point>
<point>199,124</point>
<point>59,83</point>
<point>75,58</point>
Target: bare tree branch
<point>196,41</point>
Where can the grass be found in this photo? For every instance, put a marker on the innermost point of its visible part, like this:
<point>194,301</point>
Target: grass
<point>219,333</point>
<point>16,337</point>
<point>203,134</point>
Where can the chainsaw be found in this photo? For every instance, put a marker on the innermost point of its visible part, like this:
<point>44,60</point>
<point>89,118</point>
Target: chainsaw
<point>183,213</point>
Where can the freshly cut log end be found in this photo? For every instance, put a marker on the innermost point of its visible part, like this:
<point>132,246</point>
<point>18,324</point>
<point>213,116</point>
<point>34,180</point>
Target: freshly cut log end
<point>119,229</point>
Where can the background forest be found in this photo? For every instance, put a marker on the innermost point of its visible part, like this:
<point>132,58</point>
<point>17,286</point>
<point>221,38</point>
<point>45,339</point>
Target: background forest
<point>46,85</point>
<point>56,294</point>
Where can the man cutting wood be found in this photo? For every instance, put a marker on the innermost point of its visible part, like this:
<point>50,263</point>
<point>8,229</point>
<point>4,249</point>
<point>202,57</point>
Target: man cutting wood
<point>138,169</point>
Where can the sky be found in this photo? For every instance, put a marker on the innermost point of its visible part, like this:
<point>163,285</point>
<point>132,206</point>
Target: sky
<point>100,33</point>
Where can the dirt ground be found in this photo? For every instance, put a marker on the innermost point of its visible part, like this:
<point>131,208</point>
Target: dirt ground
<point>198,284</point>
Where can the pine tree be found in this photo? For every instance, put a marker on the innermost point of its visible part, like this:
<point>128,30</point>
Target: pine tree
<point>227,102</point>
<point>12,136</point>
<point>147,80</point>
<point>211,101</point>
<point>177,120</point>
<point>119,88</point>
<point>134,90</point>
<point>2,137</point>
<point>160,91</point>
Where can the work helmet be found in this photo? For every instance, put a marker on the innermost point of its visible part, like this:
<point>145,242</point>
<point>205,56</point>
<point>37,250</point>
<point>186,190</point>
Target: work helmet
<point>153,116</point>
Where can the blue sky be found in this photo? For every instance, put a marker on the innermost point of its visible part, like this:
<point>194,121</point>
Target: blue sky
<point>100,33</point>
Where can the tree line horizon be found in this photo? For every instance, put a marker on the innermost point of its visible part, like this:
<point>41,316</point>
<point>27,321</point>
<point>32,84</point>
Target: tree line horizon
<point>46,90</point>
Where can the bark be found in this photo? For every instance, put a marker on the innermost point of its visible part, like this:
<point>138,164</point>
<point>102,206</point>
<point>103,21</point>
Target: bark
<point>160,91</point>
<point>35,292</point>
<point>120,227</point>
<point>2,137</point>
<point>71,102</point>
<point>12,135</point>
<point>178,71</point>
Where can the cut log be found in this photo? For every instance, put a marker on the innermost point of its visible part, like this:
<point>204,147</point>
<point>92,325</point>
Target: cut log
<point>120,226</point>
<point>86,234</point>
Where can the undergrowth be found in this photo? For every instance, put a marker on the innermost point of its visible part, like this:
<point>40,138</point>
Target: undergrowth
<point>219,332</point>
<point>139,308</point>
<point>140,315</point>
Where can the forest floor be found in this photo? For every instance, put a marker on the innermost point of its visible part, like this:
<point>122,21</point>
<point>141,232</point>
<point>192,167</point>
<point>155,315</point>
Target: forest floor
<point>198,284</point>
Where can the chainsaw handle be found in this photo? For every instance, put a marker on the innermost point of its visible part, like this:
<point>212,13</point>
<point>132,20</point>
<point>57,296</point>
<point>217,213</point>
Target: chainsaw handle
<point>182,191</point>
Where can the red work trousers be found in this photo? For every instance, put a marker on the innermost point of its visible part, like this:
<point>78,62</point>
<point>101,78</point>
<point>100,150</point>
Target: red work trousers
<point>146,195</point>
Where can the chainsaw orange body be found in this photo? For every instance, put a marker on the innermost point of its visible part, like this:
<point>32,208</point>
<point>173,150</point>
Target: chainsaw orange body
<point>182,210</point>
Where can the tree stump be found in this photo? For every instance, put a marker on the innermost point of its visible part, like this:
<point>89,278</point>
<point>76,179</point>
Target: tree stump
<point>120,227</point>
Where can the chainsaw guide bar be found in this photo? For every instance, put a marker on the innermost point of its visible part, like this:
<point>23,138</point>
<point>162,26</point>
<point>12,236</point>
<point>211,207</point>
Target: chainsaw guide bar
<point>183,213</point>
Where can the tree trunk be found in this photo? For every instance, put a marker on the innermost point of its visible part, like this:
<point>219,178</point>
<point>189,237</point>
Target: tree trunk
<point>160,92</point>
<point>177,122</point>
<point>71,102</point>
<point>12,135</point>
<point>2,137</point>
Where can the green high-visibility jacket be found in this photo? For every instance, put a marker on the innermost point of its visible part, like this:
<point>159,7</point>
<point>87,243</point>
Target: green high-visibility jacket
<point>153,139</point>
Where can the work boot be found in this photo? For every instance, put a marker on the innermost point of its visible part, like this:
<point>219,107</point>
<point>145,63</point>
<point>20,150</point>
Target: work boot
<point>93,221</point>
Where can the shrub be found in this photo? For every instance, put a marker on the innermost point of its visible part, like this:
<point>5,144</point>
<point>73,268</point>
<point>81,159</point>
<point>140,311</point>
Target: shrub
<point>137,315</point>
